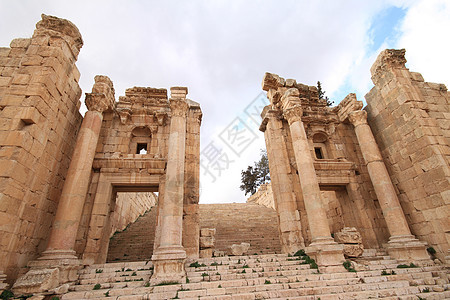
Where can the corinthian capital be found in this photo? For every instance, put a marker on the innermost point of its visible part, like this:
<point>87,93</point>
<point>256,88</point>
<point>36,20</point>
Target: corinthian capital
<point>178,107</point>
<point>358,117</point>
<point>102,96</point>
<point>293,114</point>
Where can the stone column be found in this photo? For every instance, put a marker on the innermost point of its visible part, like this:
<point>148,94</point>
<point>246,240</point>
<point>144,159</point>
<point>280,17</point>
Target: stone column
<point>283,190</point>
<point>323,248</point>
<point>168,259</point>
<point>58,263</point>
<point>402,244</point>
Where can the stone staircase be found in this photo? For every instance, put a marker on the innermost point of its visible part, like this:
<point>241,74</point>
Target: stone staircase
<point>235,223</point>
<point>242,222</point>
<point>135,243</point>
<point>270,276</point>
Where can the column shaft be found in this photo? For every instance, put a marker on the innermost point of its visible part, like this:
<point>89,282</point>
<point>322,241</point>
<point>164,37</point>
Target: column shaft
<point>285,204</point>
<point>379,176</point>
<point>70,207</point>
<point>171,210</point>
<point>317,218</point>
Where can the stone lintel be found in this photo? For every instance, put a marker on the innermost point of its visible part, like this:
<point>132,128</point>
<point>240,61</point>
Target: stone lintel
<point>146,92</point>
<point>349,104</point>
<point>272,81</point>
<point>178,92</point>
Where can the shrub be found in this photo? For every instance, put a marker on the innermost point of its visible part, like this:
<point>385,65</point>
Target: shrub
<point>97,286</point>
<point>197,265</point>
<point>300,252</point>
<point>98,270</point>
<point>267,281</point>
<point>348,266</point>
<point>6,294</point>
<point>432,251</point>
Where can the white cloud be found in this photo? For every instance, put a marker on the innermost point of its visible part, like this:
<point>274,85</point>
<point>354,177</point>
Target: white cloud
<point>425,38</point>
<point>221,50</point>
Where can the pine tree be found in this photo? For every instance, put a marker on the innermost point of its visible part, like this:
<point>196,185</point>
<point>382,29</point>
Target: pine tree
<point>322,94</point>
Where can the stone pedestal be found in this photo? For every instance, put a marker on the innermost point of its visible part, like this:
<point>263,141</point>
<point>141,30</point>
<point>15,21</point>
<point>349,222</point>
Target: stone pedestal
<point>407,247</point>
<point>402,244</point>
<point>51,270</point>
<point>327,254</point>
<point>168,266</point>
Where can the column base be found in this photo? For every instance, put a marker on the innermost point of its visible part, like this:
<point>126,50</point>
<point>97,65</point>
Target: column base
<point>407,247</point>
<point>51,270</point>
<point>168,265</point>
<point>328,255</point>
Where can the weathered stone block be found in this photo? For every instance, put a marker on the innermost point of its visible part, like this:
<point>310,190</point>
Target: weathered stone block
<point>348,235</point>
<point>239,249</point>
<point>207,232</point>
<point>207,241</point>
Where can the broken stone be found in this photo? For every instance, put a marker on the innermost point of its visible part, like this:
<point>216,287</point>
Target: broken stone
<point>348,235</point>
<point>239,249</point>
<point>353,250</point>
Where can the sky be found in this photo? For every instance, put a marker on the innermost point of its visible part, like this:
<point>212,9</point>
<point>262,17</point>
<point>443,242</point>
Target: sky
<point>220,50</point>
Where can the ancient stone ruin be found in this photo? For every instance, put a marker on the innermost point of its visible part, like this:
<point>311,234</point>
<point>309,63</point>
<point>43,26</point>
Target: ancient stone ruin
<point>68,183</point>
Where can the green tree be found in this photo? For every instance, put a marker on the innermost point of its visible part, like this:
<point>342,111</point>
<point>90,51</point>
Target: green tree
<point>322,94</point>
<point>255,175</point>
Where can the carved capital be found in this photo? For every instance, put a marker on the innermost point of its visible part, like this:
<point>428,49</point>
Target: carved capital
<point>198,116</point>
<point>124,114</point>
<point>358,117</point>
<point>267,115</point>
<point>178,107</point>
<point>102,96</point>
<point>293,114</point>
<point>161,117</point>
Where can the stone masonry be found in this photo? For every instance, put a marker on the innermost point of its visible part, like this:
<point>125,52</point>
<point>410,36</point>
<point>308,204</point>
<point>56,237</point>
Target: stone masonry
<point>61,173</point>
<point>383,170</point>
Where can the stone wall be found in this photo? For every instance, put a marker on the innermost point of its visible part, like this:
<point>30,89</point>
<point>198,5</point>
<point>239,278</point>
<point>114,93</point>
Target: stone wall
<point>129,206</point>
<point>263,196</point>
<point>39,121</point>
<point>410,119</point>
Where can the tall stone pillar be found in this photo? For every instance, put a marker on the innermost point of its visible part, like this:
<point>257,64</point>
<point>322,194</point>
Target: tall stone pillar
<point>402,244</point>
<point>59,263</point>
<point>283,190</point>
<point>168,259</point>
<point>323,248</point>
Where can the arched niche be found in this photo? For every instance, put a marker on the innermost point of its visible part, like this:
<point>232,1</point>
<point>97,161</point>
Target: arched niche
<point>140,142</point>
<point>321,146</point>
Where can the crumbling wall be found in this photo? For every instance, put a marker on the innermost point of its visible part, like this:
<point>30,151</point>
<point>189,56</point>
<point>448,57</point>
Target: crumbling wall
<point>410,119</point>
<point>39,122</point>
<point>263,196</point>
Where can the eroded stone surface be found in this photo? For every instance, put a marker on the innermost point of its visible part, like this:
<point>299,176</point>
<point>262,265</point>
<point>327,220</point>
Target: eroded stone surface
<point>239,249</point>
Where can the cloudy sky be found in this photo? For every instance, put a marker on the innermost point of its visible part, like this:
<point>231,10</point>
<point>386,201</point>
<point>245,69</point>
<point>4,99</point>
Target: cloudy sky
<point>220,50</point>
